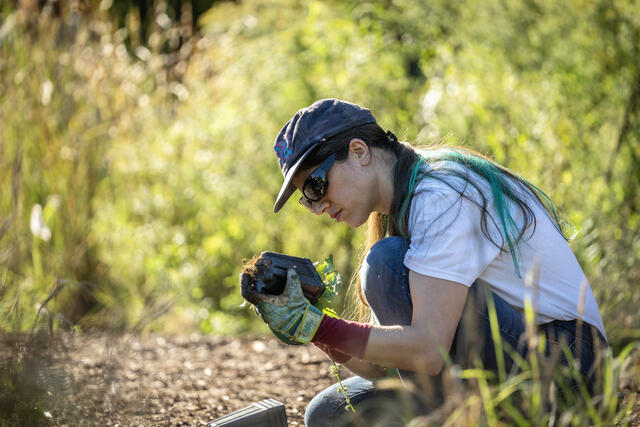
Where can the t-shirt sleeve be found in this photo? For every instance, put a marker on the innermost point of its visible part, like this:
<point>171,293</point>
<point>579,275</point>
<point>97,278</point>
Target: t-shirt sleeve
<point>446,240</point>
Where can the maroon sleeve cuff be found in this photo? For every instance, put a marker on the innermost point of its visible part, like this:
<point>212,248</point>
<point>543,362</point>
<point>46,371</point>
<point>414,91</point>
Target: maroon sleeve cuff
<point>344,336</point>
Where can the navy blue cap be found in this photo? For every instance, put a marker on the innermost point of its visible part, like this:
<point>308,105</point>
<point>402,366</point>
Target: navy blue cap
<point>308,128</point>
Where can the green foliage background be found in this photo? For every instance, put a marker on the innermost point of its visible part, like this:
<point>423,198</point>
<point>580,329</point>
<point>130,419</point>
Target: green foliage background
<point>153,164</point>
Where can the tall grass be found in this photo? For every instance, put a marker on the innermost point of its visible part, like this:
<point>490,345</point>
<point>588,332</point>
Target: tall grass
<point>70,85</point>
<point>540,390</point>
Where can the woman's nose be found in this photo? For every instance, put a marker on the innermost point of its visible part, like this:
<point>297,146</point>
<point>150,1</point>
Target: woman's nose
<point>319,207</point>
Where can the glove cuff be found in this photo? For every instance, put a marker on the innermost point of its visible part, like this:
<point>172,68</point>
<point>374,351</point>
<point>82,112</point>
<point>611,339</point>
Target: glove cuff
<point>343,335</point>
<point>309,324</point>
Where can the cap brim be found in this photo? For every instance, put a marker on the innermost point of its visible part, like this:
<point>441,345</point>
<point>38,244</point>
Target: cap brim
<point>288,188</point>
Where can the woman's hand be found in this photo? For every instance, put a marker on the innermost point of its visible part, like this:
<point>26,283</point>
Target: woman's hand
<point>289,315</point>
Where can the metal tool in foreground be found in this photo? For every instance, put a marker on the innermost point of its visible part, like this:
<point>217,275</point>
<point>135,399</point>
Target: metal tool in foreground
<point>266,413</point>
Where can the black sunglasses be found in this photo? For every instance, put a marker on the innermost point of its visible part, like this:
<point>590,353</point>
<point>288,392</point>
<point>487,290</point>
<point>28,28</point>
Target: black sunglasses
<point>316,184</point>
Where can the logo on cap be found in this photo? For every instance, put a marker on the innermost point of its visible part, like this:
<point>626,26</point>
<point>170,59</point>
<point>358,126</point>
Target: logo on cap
<point>283,151</point>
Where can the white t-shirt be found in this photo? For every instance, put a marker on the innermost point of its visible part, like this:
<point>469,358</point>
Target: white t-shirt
<point>447,242</point>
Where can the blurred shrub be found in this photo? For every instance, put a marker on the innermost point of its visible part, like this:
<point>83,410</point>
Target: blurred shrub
<point>57,123</point>
<point>552,91</point>
<point>68,86</point>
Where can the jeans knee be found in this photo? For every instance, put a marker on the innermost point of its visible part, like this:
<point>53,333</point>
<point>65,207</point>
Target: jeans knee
<point>318,412</point>
<point>327,407</point>
<point>385,250</point>
<point>383,267</point>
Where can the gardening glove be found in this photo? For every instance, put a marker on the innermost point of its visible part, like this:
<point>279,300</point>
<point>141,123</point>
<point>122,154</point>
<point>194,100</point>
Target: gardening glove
<point>254,297</point>
<point>290,316</point>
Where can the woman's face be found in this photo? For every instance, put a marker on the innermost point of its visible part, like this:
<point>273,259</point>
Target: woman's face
<point>351,195</point>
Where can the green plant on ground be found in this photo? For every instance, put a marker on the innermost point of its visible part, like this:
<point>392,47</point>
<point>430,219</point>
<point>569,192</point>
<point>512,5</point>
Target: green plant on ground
<point>335,371</point>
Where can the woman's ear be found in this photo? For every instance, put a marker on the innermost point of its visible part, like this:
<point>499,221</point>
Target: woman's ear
<point>360,150</point>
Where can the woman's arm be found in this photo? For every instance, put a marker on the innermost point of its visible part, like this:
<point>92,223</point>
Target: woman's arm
<point>437,307</point>
<point>357,366</point>
<point>365,369</point>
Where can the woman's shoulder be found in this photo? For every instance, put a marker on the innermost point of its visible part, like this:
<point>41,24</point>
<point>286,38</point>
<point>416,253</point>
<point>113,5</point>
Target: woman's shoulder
<point>443,178</point>
<point>433,198</point>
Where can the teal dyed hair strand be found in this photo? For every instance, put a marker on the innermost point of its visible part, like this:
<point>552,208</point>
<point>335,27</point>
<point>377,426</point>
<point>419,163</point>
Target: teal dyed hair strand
<point>501,181</point>
<point>406,203</point>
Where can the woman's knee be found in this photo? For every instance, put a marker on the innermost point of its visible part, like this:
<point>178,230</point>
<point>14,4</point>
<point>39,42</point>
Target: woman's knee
<point>382,266</point>
<point>385,282</point>
<point>319,412</point>
<point>327,407</point>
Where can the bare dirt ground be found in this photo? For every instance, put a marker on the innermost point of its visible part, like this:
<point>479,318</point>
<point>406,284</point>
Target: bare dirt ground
<point>130,380</point>
<point>181,380</point>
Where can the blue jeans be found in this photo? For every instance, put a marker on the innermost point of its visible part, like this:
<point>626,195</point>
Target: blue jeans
<point>385,283</point>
